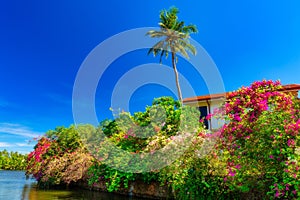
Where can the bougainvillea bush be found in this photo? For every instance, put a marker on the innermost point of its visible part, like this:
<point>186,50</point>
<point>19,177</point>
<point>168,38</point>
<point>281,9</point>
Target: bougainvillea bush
<point>59,157</point>
<point>254,154</point>
<point>260,141</point>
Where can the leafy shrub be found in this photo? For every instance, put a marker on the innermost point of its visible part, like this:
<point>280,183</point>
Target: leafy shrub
<point>261,139</point>
<point>12,160</point>
<point>60,157</point>
<point>255,152</point>
<point>161,122</point>
<point>114,179</point>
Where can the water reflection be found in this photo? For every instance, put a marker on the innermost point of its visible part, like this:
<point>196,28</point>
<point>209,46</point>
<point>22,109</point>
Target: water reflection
<point>33,193</point>
<point>14,186</point>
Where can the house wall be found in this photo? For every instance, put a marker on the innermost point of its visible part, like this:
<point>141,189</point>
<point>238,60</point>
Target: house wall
<point>211,106</point>
<point>214,101</point>
<point>216,123</point>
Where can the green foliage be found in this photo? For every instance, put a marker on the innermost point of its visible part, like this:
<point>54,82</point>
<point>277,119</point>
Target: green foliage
<point>134,133</point>
<point>175,35</point>
<point>12,160</point>
<point>60,157</point>
<point>261,139</point>
<point>198,173</point>
<point>67,139</point>
<point>255,153</point>
<point>162,122</point>
<point>113,178</point>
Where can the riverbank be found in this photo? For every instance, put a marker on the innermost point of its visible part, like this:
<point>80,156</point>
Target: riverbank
<point>15,186</point>
<point>136,189</point>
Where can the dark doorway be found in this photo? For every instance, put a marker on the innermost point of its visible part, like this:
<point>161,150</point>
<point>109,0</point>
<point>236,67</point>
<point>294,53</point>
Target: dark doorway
<point>203,114</point>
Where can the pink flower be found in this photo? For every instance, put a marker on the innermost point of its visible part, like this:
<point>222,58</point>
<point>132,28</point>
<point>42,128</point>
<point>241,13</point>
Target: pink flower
<point>286,188</point>
<point>208,117</point>
<point>237,118</point>
<point>231,173</point>
<point>291,142</point>
<point>238,166</point>
<point>271,156</point>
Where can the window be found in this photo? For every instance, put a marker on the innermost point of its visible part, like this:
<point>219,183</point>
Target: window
<point>203,114</point>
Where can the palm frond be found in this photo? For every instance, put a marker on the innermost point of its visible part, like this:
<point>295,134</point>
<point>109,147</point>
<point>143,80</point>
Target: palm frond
<point>156,34</point>
<point>175,35</point>
<point>173,10</point>
<point>188,46</point>
<point>181,49</point>
<point>191,48</point>
<point>161,55</point>
<point>158,47</point>
<point>162,25</point>
<point>179,26</point>
<point>150,51</point>
<point>190,29</point>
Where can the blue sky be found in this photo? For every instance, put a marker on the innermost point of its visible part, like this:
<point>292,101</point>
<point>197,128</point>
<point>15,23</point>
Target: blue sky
<point>43,44</point>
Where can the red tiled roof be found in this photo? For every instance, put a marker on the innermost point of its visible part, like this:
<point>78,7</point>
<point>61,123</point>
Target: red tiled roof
<point>290,88</point>
<point>205,97</point>
<point>285,88</point>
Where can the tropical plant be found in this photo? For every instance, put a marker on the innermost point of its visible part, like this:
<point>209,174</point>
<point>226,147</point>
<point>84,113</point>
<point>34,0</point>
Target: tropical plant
<point>12,160</point>
<point>175,36</point>
<point>261,140</point>
<point>256,153</point>
<point>164,122</point>
<point>60,156</point>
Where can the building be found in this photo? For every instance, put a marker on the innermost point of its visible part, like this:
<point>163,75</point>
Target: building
<point>208,103</point>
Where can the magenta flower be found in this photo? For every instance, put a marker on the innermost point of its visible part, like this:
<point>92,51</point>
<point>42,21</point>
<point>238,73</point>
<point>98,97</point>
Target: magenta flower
<point>237,118</point>
<point>286,188</point>
<point>271,156</point>
<point>291,142</point>
<point>208,117</point>
<point>231,173</point>
<point>238,166</point>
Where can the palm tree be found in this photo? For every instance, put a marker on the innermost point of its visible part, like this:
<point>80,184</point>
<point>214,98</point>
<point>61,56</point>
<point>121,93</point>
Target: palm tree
<point>175,39</point>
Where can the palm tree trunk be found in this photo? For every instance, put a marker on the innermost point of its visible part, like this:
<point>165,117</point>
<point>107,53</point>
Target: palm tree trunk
<point>176,77</point>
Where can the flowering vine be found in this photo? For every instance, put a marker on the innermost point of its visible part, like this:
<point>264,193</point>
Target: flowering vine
<point>260,138</point>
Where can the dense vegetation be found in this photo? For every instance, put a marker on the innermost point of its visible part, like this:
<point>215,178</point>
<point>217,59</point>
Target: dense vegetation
<point>12,160</point>
<point>255,153</point>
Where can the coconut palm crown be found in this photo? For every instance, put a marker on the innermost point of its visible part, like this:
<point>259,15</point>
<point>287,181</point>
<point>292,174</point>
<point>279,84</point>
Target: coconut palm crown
<point>175,39</point>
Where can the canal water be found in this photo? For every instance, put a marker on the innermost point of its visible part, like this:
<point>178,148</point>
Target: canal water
<point>14,186</point>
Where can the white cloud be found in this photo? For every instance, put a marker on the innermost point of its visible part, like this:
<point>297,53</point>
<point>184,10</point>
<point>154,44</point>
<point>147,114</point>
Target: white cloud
<point>24,145</point>
<point>4,144</point>
<point>17,129</point>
